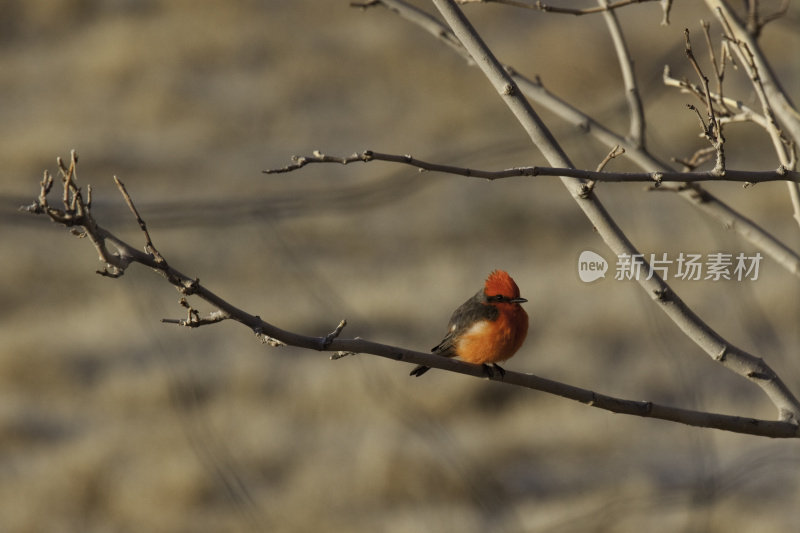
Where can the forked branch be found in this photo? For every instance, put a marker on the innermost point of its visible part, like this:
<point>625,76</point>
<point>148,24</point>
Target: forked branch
<point>712,129</point>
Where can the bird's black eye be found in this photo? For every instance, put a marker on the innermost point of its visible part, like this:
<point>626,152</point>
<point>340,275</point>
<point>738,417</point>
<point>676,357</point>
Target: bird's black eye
<point>497,298</point>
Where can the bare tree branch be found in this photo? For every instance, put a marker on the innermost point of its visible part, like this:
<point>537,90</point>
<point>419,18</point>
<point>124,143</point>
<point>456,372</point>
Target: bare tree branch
<point>538,5</point>
<point>193,319</point>
<point>148,247</point>
<point>655,177</point>
<point>615,152</point>
<point>635,109</point>
<point>718,66</point>
<point>712,130</point>
<point>756,21</point>
<point>332,342</point>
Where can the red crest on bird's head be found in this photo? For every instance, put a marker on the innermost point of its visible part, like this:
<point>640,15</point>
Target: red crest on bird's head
<point>499,282</point>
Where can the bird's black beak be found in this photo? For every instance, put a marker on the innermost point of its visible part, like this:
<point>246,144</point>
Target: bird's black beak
<point>518,300</point>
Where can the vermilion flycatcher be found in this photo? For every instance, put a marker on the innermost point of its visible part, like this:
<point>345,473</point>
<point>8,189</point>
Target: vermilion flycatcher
<point>488,328</point>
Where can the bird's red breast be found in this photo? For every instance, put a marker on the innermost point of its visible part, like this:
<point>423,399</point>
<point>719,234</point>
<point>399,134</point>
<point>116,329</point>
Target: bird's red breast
<point>493,341</point>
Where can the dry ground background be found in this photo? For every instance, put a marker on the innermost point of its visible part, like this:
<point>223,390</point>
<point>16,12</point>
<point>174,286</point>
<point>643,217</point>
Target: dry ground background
<point>111,421</point>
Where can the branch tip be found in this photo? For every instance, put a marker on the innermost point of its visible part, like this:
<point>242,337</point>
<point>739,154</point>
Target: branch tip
<point>340,354</point>
<point>328,339</point>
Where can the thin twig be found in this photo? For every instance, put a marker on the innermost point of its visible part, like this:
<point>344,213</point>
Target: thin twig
<point>718,66</point>
<point>194,320</point>
<point>615,152</point>
<point>149,247</point>
<point>699,157</point>
<point>733,110</point>
<point>329,338</point>
<point>637,122</point>
<point>588,187</point>
<point>743,176</point>
<point>712,130</point>
<point>542,6</point>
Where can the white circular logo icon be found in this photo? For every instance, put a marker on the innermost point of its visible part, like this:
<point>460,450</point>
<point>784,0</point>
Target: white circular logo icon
<point>591,266</point>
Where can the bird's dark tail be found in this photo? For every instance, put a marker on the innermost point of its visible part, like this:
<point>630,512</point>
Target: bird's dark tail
<point>418,371</point>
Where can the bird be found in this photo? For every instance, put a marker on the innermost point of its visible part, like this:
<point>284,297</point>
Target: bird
<point>488,328</point>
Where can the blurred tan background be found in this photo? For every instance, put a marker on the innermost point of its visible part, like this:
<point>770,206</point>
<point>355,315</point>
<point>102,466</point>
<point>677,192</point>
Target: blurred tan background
<point>112,421</point>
